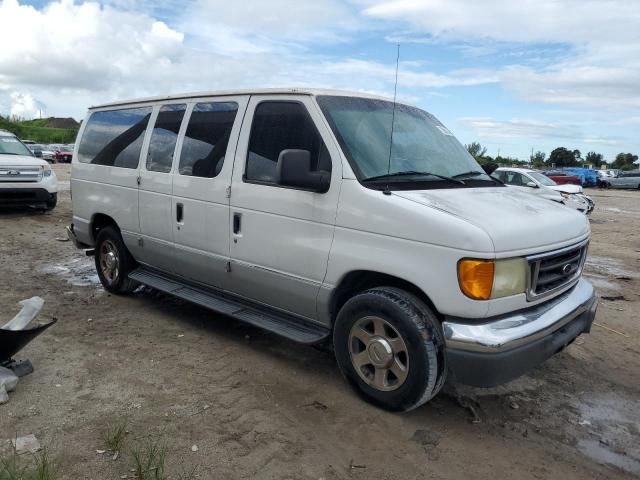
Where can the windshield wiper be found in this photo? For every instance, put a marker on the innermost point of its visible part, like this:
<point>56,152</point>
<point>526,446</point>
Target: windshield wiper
<point>475,173</point>
<point>472,173</point>
<point>408,173</point>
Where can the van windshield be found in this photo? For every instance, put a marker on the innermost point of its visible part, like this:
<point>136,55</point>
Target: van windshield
<point>423,151</point>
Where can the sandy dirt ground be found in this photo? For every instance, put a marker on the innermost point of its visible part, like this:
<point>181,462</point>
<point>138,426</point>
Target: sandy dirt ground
<point>258,406</point>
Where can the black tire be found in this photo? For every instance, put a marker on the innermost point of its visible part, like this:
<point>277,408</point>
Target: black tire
<point>421,333</point>
<point>53,201</point>
<point>115,280</point>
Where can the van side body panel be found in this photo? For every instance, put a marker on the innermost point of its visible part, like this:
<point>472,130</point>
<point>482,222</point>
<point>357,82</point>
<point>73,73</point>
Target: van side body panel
<point>388,234</point>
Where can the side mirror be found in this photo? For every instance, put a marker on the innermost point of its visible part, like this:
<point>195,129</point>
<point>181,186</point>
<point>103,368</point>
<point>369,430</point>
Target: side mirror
<point>294,170</point>
<point>532,185</point>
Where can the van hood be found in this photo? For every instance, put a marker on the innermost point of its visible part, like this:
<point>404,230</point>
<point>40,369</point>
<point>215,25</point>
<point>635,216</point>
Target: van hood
<point>567,188</point>
<point>16,160</point>
<point>514,220</point>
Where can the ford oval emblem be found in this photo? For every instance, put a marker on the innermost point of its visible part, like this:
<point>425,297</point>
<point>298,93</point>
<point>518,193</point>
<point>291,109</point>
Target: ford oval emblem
<point>566,269</point>
<point>13,173</point>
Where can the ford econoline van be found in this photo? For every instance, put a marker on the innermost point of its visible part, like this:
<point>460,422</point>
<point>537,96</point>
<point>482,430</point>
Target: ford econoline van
<point>332,216</point>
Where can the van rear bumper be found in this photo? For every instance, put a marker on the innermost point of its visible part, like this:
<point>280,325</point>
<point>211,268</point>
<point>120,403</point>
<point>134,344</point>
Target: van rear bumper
<point>507,346</point>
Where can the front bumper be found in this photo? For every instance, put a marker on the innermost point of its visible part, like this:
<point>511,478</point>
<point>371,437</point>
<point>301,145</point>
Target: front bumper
<point>25,196</point>
<point>507,346</point>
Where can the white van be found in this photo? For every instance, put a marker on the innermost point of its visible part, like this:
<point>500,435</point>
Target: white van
<point>323,215</point>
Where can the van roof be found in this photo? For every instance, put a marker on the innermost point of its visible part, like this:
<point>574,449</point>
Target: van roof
<point>227,93</point>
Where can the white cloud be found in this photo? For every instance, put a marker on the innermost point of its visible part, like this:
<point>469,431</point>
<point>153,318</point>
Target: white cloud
<point>72,55</point>
<point>528,130</point>
<point>601,69</point>
<point>23,105</point>
<point>571,21</point>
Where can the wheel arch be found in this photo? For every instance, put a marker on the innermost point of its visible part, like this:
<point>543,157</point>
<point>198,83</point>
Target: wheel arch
<point>358,281</point>
<point>100,221</point>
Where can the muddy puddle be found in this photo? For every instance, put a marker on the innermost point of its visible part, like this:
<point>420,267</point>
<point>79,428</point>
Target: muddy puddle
<point>612,423</point>
<point>78,271</point>
<point>609,267</point>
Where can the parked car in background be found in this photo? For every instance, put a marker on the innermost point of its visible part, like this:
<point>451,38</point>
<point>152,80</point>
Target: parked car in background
<point>623,180</point>
<point>283,209</point>
<point>49,153</point>
<point>64,153</point>
<point>36,149</point>
<point>539,184</point>
<point>562,178</point>
<point>588,177</point>
<point>25,179</point>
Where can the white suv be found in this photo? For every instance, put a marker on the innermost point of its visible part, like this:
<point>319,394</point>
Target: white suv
<point>300,212</point>
<point>25,179</point>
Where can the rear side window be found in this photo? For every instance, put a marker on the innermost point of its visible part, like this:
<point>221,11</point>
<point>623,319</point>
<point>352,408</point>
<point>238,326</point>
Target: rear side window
<point>164,137</point>
<point>206,139</point>
<point>114,137</point>
<point>279,126</point>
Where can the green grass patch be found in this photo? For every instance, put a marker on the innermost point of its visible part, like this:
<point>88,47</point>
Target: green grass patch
<point>40,466</point>
<point>37,131</point>
<point>115,434</point>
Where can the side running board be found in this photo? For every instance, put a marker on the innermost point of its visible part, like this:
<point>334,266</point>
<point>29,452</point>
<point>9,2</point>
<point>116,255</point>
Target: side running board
<point>285,325</point>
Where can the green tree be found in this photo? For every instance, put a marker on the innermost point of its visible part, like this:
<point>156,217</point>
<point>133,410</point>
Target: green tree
<point>625,161</point>
<point>595,159</point>
<point>476,150</point>
<point>562,157</point>
<point>537,159</point>
<point>577,155</point>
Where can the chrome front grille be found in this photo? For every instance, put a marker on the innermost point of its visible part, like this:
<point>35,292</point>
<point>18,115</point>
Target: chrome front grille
<point>20,174</point>
<point>555,271</point>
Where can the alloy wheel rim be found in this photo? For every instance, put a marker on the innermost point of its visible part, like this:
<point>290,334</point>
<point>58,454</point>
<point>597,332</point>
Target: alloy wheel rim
<point>378,353</point>
<point>109,261</point>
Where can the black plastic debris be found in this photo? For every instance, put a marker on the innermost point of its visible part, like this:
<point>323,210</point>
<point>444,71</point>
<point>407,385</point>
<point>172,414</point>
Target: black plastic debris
<point>11,342</point>
<point>17,333</point>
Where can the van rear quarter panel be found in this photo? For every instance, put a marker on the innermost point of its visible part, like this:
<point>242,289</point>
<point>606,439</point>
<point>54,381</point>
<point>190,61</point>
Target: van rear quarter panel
<point>112,191</point>
<point>394,236</point>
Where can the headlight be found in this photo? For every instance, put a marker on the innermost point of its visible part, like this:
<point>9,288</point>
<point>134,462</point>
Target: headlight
<point>46,171</point>
<point>486,279</point>
<point>565,195</point>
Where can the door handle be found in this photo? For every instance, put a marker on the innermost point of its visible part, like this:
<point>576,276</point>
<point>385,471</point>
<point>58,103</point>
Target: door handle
<point>179,212</point>
<point>236,223</point>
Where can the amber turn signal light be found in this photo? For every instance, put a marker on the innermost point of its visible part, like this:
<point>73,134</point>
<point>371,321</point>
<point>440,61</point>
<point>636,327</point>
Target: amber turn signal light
<point>476,278</point>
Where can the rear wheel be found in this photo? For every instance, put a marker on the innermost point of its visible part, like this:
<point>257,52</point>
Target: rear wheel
<point>390,348</point>
<point>114,262</point>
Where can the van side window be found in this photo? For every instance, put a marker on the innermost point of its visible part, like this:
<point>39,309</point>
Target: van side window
<point>114,137</point>
<point>163,138</point>
<point>277,126</point>
<point>206,139</point>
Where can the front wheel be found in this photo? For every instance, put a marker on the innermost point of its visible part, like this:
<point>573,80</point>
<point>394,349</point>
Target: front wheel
<point>390,347</point>
<point>114,262</point>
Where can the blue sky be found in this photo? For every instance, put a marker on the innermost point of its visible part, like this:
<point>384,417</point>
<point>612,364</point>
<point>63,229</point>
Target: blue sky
<point>511,75</point>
